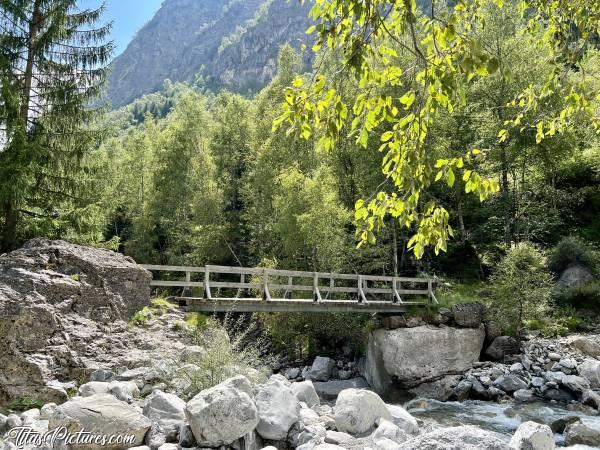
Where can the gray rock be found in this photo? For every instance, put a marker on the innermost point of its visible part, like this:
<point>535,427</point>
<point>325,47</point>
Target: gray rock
<point>137,373</point>
<point>585,345</point>
<point>492,331</point>
<point>583,432</point>
<point>457,438</point>
<point>344,374</point>
<point>441,389</point>
<point>337,437</point>
<point>553,356</point>
<point>559,395</point>
<point>524,395</point>
<point>39,284</point>
<point>226,403</point>
<point>125,391</point>
<point>101,414</point>
<point>537,382</point>
<point>329,390</point>
<point>388,430</point>
<point>575,275</point>
<point>403,419</point>
<point>501,347</point>
<point>102,375</point>
<point>393,322</point>
<point>292,373</point>
<point>417,355</point>
<point>167,410</point>
<point>278,409</point>
<point>93,388</point>
<point>468,314</point>
<point>305,392</point>
<point>186,437</point>
<point>533,436</point>
<point>321,368</point>
<point>590,398</point>
<point>511,383</point>
<point>462,391</point>
<point>590,370</point>
<point>575,383</point>
<point>357,411</point>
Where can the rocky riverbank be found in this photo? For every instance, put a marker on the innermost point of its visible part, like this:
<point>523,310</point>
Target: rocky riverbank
<point>236,414</point>
<point>69,357</point>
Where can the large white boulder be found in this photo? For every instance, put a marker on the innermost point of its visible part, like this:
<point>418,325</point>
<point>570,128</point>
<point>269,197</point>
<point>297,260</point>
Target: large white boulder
<point>305,392</point>
<point>357,411</point>
<point>278,409</point>
<point>533,436</point>
<point>590,370</point>
<point>420,354</point>
<point>222,414</point>
<point>101,414</point>
<point>403,419</point>
<point>166,410</point>
<point>455,438</point>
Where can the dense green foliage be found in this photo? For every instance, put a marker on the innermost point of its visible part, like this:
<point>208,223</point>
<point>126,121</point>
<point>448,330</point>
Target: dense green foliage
<point>52,65</point>
<point>477,99</point>
<point>521,287</point>
<point>412,68</point>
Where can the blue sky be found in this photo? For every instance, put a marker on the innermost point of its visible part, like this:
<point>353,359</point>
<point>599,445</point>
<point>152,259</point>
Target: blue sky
<point>128,17</point>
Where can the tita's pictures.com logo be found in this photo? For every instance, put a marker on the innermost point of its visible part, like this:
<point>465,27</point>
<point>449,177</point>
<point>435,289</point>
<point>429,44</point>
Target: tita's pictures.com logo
<point>26,437</point>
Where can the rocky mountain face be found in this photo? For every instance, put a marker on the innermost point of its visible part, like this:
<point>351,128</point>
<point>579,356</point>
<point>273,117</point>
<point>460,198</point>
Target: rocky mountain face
<point>232,44</point>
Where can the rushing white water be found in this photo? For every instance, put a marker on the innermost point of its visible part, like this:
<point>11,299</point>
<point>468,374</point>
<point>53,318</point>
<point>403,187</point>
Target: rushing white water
<point>502,418</point>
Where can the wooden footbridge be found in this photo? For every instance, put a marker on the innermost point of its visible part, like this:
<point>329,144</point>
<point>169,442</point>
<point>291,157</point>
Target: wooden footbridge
<point>240,289</point>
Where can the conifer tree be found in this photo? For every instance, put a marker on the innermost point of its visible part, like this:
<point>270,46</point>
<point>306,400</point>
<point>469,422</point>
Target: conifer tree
<point>53,63</point>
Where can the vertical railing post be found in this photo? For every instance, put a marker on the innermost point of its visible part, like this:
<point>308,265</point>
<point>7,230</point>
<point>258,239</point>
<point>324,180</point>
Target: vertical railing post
<point>362,298</point>
<point>266,293</point>
<point>396,295</point>
<point>207,294</point>
<point>316,291</point>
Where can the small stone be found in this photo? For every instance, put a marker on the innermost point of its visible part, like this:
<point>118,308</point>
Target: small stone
<point>553,356</point>
<point>517,367</point>
<point>524,395</point>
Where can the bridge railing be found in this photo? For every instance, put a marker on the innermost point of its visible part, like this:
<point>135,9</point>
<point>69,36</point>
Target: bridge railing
<point>238,283</point>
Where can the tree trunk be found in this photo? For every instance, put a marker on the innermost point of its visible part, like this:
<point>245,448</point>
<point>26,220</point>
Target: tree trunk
<point>11,216</point>
<point>9,232</point>
<point>505,188</point>
<point>459,212</point>
<point>395,247</point>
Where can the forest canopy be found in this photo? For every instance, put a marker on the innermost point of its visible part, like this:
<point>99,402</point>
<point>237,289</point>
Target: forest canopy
<point>403,116</point>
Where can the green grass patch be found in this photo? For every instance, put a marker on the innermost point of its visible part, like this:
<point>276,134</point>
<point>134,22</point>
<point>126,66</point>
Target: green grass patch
<point>453,293</point>
<point>25,403</point>
<point>158,307</point>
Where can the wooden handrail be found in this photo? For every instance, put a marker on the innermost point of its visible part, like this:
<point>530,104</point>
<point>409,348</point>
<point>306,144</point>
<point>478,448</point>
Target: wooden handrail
<point>270,281</point>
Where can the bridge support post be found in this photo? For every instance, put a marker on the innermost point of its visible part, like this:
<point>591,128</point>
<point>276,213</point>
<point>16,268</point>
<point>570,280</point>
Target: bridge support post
<point>361,293</point>
<point>266,293</point>
<point>316,292</point>
<point>396,295</point>
<point>207,294</point>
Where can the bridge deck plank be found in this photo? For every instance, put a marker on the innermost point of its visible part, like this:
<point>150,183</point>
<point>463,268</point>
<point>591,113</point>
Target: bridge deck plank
<point>282,305</point>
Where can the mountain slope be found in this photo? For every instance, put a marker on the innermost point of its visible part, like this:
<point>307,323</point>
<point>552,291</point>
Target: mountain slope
<point>231,43</point>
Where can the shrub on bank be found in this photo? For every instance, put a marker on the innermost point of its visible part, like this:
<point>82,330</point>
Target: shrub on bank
<point>573,250</point>
<point>520,287</point>
<point>586,296</point>
<point>225,349</point>
<point>302,335</point>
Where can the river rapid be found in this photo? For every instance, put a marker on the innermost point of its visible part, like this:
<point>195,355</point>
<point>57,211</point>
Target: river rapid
<point>503,418</point>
